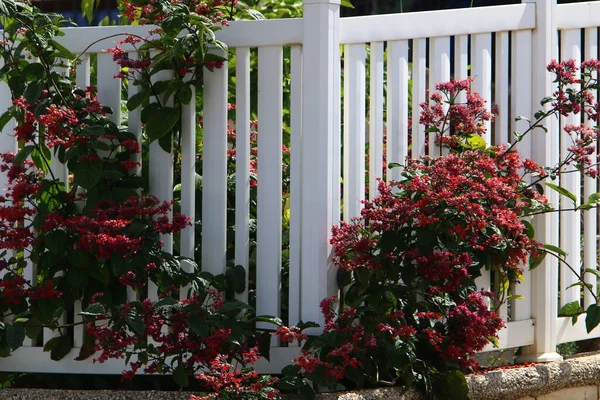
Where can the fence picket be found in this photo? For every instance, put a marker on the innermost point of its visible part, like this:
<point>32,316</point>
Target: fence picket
<point>419,78</point>
<point>214,171</point>
<point>295,189</point>
<point>502,89</point>
<point>481,71</point>
<point>354,129</point>
<point>397,107</point>
<point>570,223</point>
<point>268,219</point>
<point>376,123</point>
<point>242,163</point>
<point>590,222</point>
<point>439,72</point>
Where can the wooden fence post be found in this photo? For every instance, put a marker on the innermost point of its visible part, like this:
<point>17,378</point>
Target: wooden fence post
<point>545,151</point>
<point>320,203</point>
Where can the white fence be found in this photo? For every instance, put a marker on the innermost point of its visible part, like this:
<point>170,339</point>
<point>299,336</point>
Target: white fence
<point>505,49</point>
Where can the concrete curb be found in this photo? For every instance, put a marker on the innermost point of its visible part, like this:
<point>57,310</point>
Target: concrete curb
<point>504,384</point>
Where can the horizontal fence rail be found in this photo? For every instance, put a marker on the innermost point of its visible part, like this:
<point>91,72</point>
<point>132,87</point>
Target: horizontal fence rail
<point>347,84</point>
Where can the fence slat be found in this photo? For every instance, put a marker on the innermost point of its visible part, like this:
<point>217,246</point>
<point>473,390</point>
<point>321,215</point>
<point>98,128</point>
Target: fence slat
<point>188,181</point>
<point>242,163</point>
<point>590,222</point>
<point>354,129</point>
<point>134,123</point>
<point>570,222</point>
<point>161,181</point>
<point>268,256</point>
<point>481,60</point>
<point>521,106</point>
<point>376,122</point>
<point>82,72</point>
<point>419,78</point>
<point>295,188</point>
<point>439,71</point>
<point>397,107</point>
<point>214,171</point>
<point>109,87</point>
<point>502,89</point>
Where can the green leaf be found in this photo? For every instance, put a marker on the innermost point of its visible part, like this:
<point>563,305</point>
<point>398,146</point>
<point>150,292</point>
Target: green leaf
<point>555,249</point>
<point>570,309</point>
<point>534,262</point>
<point>92,130</point>
<point>135,322</point>
<point>58,347</point>
<point>62,50</point>
<point>592,317</point>
<point>101,273</point>
<point>181,376</point>
<point>563,191</point>
<point>15,334</point>
<point>346,3</point>
<point>198,324</point>
<point>87,174</point>
<point>592,271</point>
<point>56,241</point>
<point>475,142</point>
<point>137,99</point>
<point>6,116</point>
<point>236,278</point>
<point>23,154</point>
<point>594,198</point>
<point>270,320</point>
<point>161,122</point>
<point>94,309</point>
<point>530,231</point>
<point>41,158</point>
<point>33,328</point>
<point>234,305</point>
<point>453,386</point>
<point>165,302</point>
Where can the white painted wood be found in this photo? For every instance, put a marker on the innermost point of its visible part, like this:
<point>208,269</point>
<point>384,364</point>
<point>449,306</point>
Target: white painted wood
<point>188,182</point>
<point>590,223</point>
<point>567,332</point>
<point>242,164</point>
<point>214,169</point>
<point>397,107</point>
<point>268,258</point>
<point>320,143</point>
<point>109,87</point>
<point>481,71</point>
<point>419,86</point>
<point>392,27</point>
<point>439,72</point>
<point>578,15</point>
<point>483,282</point>
<point>461,62</point>
<point>544,151</point>
<point>134,124</point>
<point>515,334</point>
<point>295,187</point>
<point>502,89</point>
<point>82,72</point>
<point>273,32</point>
<point>160,179</point>
<point>570,222</point>
<point>354,129</point>
<point>376,123</point>
<point>461,57</point>
<point>521,87</point>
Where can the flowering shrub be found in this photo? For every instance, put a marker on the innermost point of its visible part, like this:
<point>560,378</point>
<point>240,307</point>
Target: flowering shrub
<point>409,309</point>
<point>76,209</point>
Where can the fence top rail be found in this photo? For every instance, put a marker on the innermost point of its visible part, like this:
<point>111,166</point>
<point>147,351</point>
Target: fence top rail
<point>276,32</point>
<point>578,15</point>
<point>417,25</point>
